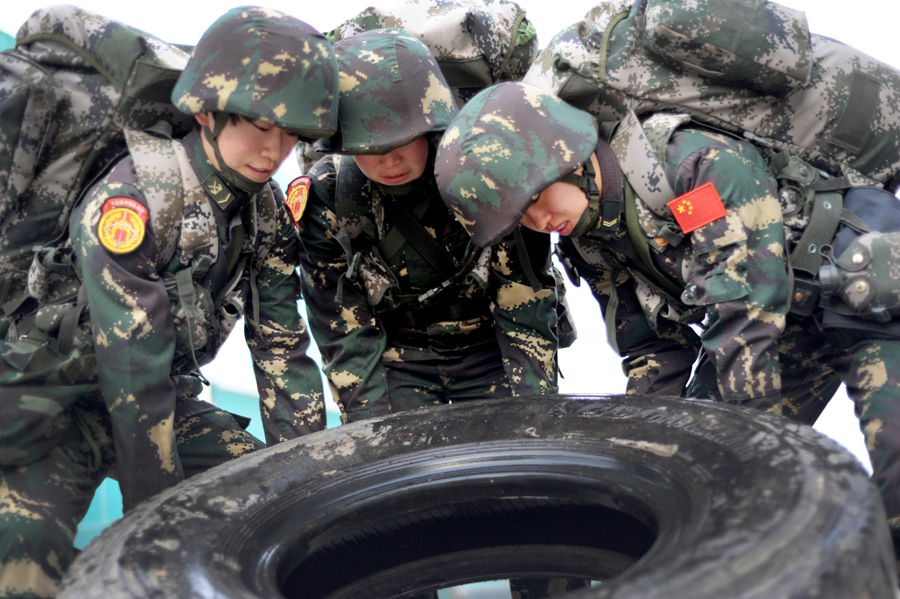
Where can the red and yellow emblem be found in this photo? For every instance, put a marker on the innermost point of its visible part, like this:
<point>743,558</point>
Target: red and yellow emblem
<point>697,208</point>
<point>297,193</point>
<point>123,224</point>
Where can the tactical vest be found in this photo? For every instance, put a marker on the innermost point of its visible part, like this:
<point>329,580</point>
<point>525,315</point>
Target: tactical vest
<point>372,232</point>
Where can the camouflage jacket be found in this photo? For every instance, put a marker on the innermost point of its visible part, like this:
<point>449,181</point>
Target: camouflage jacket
<point>140,330</point>
<point>731,273</point>
<point>357,328</point>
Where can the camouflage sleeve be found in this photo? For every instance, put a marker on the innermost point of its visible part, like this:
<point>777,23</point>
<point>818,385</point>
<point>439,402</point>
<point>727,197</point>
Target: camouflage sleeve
<point>525,322</point>
<point>655,362</point>
<point>134,341</point>
<point>738,270</point>
<point>290,386</point>
<point>346,331</point>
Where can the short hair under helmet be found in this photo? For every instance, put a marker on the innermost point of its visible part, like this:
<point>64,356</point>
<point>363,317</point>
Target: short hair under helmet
<point>508,144</point>
<point>391,92</point>
<point>263,64</point>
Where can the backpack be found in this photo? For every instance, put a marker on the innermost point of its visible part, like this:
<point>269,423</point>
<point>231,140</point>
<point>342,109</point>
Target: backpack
<point>73,84</point>
<point>749,67</point>
<point>476,43</point>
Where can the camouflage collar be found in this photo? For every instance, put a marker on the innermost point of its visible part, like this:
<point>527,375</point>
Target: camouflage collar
<point>224,196</point>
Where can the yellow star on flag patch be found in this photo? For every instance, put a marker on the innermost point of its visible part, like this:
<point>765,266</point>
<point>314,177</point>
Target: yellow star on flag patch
<point>697,208</point>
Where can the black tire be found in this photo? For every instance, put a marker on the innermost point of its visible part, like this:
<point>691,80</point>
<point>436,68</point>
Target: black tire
<point>708,500</point>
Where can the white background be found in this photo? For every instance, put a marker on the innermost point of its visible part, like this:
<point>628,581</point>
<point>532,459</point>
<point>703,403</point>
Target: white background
<point>589,365</point>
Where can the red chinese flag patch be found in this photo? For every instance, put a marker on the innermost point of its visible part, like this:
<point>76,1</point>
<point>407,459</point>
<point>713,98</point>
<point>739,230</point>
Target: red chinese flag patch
<point>697,208</point>
<point>297,192</point>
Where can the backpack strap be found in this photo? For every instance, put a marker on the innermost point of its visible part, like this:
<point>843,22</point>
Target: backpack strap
<point>410,227</point>
<point>173,193</point>
<point>641,150</point>
<point>159,173</point>
<point>353,199</point>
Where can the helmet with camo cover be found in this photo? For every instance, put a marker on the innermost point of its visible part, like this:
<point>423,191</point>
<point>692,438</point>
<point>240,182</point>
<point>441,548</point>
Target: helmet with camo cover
<point>263,65</point>
<point>391,93</point>
<point>507,145</point>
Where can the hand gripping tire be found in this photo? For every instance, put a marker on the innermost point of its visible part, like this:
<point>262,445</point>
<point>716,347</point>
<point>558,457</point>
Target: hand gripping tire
<point>656,497</point>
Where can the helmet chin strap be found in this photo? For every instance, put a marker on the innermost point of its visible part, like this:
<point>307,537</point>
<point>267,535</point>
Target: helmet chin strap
<point>230,176</point>
<point>588,185</point>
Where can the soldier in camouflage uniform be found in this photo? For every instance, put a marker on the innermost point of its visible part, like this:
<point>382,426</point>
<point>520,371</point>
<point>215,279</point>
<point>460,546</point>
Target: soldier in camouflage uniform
<point>174,244</point>
<point>405,311</point>
<point>716,255</point>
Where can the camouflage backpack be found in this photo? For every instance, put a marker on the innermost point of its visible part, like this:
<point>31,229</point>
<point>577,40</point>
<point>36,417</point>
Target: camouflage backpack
<point>750,67</point>
<point>476,42</point>
<point>68,90</point>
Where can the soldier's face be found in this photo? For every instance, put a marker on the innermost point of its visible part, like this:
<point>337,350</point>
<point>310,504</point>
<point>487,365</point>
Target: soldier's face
<point>255,149</point>
<point>402,165</point>
<point>558,208</point>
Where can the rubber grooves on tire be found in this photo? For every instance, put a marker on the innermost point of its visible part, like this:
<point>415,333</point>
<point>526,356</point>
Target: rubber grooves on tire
<point>463,527</point>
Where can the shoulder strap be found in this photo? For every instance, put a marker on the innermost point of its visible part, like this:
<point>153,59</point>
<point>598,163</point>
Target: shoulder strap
<point>640,149</point>
<point>639,240</point>
<point>352,197</point>
<point>173,192</point>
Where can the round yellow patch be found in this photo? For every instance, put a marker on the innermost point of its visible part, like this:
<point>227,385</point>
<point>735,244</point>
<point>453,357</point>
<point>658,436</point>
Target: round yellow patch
<point>122,225</point>
<point>297,194</point>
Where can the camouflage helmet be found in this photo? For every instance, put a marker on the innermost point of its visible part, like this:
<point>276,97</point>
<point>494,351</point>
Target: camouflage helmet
<point>392,92</point>
<point>263,65</point>
<point>507,145</point>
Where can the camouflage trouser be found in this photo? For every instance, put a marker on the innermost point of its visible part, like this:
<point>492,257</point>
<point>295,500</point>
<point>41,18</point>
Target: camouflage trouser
<point>812,369</point>
<point>42,503</point>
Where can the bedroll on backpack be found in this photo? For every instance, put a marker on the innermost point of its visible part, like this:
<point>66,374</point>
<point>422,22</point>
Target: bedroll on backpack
<point>750,67</point>
<point>74,81</point>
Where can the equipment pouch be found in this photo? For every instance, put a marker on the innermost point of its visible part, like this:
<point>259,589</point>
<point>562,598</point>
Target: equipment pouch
<point>751,44</point>
<point>861,278</point>
<point>865,278</point>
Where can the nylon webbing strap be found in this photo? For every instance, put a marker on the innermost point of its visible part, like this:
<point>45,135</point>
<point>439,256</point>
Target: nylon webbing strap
<point>611,308</point>
<point>641,166</point>
<point>394,240</point>
<point>639,241</point>
<point>184,283</point>
<point>823,224</point>
<point>69,325</point>
<point>525,259</point>
<point>416,234</point>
